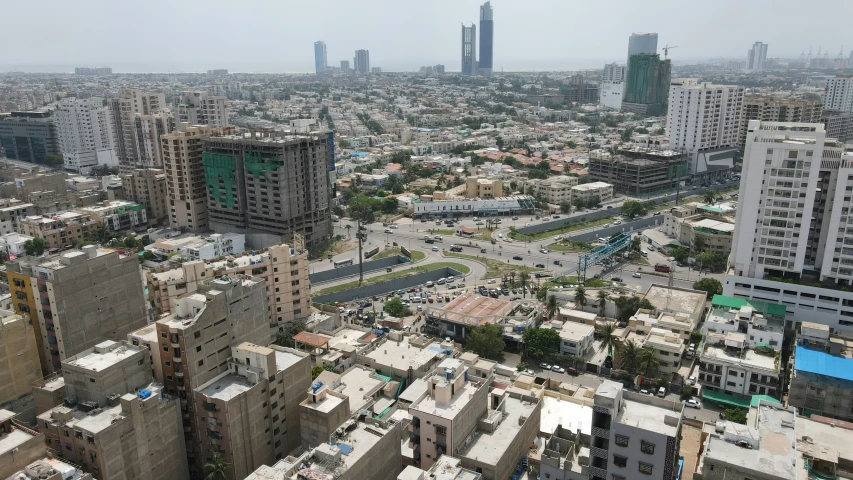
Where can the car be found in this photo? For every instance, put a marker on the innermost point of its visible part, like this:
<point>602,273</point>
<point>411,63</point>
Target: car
<point>692,403</point>
<point>447,298</point>
<point>514,291</point>
<point>515,218</point>
<point>406,303</point>
<point>645,392</point>
<point>539,265</point>
<point>341,310</point>
<point>430,299</point>
<point>498,220</point>
<point>609,207</point>
<point>517,258</point>
<point>617,222</point>
<point>605,225</point>
<point>416,299</point>
<point>558,237</point>
<point>482,250</point>
<point>555,217</point>
<point>420,308</point>
<point>662,392</point>
<point>543,251</point>
<point>451,287</point>
<point>572,371</point>
<point>429,284</point>
<point>439,299</point>
<point>505,291</point>
<point>545,219</point>
<point>388,230</point>
<point>656,214</point>
<point>435,249</point>
<point>438,238</point>
<point>558,369</point>
<point>492,281</point>
<point>692,380</point>
<point>616,279</point>
<point>544,366</point>
<point>412,290</point>
<point>440,281</point>
<point>508,240</point>
<point>478,223</point>
<point>744,444</point>
<point>636,275</point>
<point>651,248</point>
<point>438,222</point>
<point>500,235</point>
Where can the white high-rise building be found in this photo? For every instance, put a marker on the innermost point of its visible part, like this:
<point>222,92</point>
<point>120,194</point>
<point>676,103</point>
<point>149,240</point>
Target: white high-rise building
<point>703,121</point>
<point>756,56</point>
<point>200,108</point>
<point>642,44</point>
<point>793,230</point>
<point>839,93</point>
<point>613,72</point>
<point>610,94</point>
<point>85,129</point>
<point>139,119</point>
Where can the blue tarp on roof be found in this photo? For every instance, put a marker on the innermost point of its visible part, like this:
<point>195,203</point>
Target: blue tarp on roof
<point>822,363</point>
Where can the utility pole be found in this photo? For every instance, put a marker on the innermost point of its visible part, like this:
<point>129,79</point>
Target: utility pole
<point>360,266</point>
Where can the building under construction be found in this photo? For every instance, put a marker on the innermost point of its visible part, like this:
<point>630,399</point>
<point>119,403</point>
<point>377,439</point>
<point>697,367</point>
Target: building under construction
<point>269,187</point>
<point>640,172</point>
<point>647,85</point>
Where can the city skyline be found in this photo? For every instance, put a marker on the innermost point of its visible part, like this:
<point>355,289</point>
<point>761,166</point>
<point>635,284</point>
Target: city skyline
<point>553,48</point>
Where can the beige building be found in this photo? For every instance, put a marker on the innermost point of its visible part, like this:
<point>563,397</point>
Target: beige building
<point>12,211</point>
<point>554,190</point>
<point>147,337</point>
<point>321,413</point>
<point>138,122</point>
<point>713,226</point>
<point>251,411</point>
<point>109,368</point>
<point>24,455</point>
<point>776,109</point>
<point>185,175</point>
<point>59,229</point>
<point>481,187</point>
<point>80,298</point>
<point>19,357</point>
<point>118,215</point>
<point>147,186</point>
<point>195,343</point>
<point>602,190</point>
<point>283,269</point>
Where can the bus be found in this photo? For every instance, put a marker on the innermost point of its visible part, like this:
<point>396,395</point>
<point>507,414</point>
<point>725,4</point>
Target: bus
<point>373,251</point>
<point>662,267</point>
<point>343,263</point>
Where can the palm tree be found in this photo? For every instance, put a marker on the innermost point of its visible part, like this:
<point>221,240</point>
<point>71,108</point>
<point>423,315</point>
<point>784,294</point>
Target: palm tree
<point>348,226</point>
<point>606,334</point>
<point>602,301</point>
<point>630,353</point>
<point>217,468</point>
<point>523,278</point>
<point>708,197</point>
<point>551,307</point>
<point>512,278</point>
<point>647,361</point>
<point>580,296</point>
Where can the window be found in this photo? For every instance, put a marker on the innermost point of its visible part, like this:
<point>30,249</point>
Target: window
<point>620,461</point>
<point>621,440</point>
<point>440,430</point>
<point>646,447</point>
<point>645,468</point>
<point>617,477</point>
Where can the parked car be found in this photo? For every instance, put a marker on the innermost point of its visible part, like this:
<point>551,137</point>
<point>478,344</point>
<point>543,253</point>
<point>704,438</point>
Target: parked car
<point>662,392</point>
<point>636,275</point>
<point>388,230</point>
<point>645,392</point>
<point>517,258</point>
<point>482,250</point>
<point>544,366</point>
<point>435,249</point>
<point>440,281</point>
<point>691,403</point>
<point>539,265</point>
<point>515,218</point>
<point>558,369</point>
<point>692,380</point>
<point>572,371</point>
<point>393,227</point>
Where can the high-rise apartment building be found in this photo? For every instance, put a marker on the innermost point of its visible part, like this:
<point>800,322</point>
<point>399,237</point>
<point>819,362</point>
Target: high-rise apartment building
<point>703,122</point>
<point>438,68</point>
<point>85,129</point>
<point>838,124</point>
<point>19,356</point>
<point>200,108</point>
<point>251,411</point>
<point>792,243</point>
<point>185,175</point>
<point>269,187</point>
<point>147,186</point>
<point>756,56</point>
<point>613,72</point>
<point>361,61</point>
<point>196,340</point>
<point>487,35</point>
<point>777,109</point>
<point>345,66</point>
<point>642,44</point>
<point>469,50</point>
<point>838,94</point>
<point>29,136</point>
<point>79,299</point>
<point>647,85</point>
<point>320,60</point>
<point>116,423</point>
<point>139,120</point>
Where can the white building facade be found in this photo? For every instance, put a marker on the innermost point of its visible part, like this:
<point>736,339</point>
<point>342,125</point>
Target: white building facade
<point>85,128</point>
<point>610,94</point>
<point>756,56</point>
<point>613,72</point>
<point>839,93</point>
<point>201,108</point>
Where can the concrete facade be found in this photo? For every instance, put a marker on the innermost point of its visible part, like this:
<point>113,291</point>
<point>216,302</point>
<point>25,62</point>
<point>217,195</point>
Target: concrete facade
<point>84,297</point>
<point>12,213</point>
<point>85,130</point>
<point>200,108</point>
<point>19,357</point>
<point>776,109</point>
<point>138,123</point>
<point>321,413</point>
<point>107,369</point>
<point>147,186</point>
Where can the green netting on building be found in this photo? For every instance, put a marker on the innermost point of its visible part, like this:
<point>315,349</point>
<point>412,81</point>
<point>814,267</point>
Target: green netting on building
<point>216,168</point>
<point>677,170</point>
<point>257,166</point>
<point>135,207</point>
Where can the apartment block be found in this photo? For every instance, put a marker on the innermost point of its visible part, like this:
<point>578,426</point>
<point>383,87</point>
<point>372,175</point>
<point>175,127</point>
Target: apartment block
<point>613,72</point>
<point>820,381</point>
<point>703,121</point>
<point>185,178</point>
<point>58,229</point>
<point>283,269</point>
<point>147,186</point>
<point>195,343</point>
<point>80,298</point>
<point>321,413</point>
<point>777,109</point>
<point>147,337</point>
<point>633,435</point>
<point>118,215</point>
<point>29,136</point>
<point>19,357</point>
<point>480,187</point>
<point>200,108</point>
<point>838,124</point>
<point>12,211</point>
<point>727,365</point>
<point>24,456</point>
<point>693,223</point>
<point>138,122</point>
<point>251,411</point>
<point>85,129</point>
<point>793,248</point>
<point>46,190</point>
<point>97,374</point>
<point>269,188</point>
<point>602,191</point>
<point>554,190</point>
<point>838,94</point>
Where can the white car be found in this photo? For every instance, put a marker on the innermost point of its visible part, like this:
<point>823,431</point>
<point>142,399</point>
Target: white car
<point>492,281</point>
<point>393,227</point>
<point>435,249</point>
<point>543,250</point>
<point>500,235</point>
<point>692,403</point>
<point>636,275</point>
<point>388,230</point>
<point>438,238</point>
<point>692,380</point>
<point>558,237</point>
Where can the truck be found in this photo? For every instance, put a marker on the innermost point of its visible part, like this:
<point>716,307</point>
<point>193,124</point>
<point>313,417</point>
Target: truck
<point>662,267</point>
<point>455,248</point>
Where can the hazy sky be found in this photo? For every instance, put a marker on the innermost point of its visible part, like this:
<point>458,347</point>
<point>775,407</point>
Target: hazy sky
<point>278,35</point>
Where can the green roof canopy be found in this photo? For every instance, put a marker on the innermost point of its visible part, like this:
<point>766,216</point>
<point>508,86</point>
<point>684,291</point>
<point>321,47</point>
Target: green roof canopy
<point>725,399</point>
<point>758,398</point>
<point>759,306</point>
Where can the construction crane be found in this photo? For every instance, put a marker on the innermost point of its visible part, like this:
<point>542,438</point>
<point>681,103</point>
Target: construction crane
<point>666,50</point>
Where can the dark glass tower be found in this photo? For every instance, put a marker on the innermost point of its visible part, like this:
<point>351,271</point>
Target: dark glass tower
<point>486,38</point>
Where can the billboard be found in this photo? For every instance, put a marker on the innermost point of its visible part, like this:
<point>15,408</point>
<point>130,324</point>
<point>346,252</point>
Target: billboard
<point>406,252</point>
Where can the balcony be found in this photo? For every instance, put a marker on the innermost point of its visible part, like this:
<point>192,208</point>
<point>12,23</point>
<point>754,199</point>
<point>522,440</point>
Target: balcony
<point>598,452</point>
<point>596,472</point>
<point>600,432</point>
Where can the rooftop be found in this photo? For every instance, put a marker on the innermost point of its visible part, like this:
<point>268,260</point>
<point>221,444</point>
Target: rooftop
<point>648,416</point>
<point>449,411</point>
<point>822,363</point>
<point>570,415</point>
<point>96,422</point>
<point>674,299</point>
<point>750,359</point>
<point>226,387</point>
<point>470,309</point>
<point>491,447</point>
<point>573,330</point>
<point>13,439</point>
<point>325,405</point>
<point>403,354</point>
<point>104,355</point>
<point>359,384</point>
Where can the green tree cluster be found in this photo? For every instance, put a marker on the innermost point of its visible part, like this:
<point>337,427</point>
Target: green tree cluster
<point>540,342</point>
<point>710,285</point>
<point>395,308</point>
<point>627,305</point>
<point>486,340</point>
<point>35,247</point>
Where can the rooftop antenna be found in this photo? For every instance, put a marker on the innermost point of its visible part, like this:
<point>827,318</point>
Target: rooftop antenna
<point>666,50</point>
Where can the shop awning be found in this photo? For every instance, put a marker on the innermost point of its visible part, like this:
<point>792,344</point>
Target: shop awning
<point>725,399</point>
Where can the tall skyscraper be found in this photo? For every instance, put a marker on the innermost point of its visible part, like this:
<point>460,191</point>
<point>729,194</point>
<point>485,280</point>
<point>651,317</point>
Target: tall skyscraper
<point>703,122</point>
<point>487,34</point>
<point>839,93</point>
<point>320,61</point>
<point>344,65</point>
<point>139,119</point>
<point>642,44</point>
<point>647,85</point>
<point>469,50</point>
<point>613,72</point>
<point>269,187</point>
<point>777,109</point>
<point>201,108</point>
<point>361,62</point>
<point>85,129</point>
<point>756,56</point>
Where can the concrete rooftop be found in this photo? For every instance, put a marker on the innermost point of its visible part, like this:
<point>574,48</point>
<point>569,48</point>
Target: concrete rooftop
<point>490,447</point>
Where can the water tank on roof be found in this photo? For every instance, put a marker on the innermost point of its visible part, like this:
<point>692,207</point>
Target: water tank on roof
<point>144,393</point>
<point>316,387</point>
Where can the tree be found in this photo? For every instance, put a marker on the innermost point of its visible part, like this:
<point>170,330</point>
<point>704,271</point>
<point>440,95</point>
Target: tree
<point>633,208</point>
<point>636,244</point>
<point>630,355</point>
<point>579,203</point>
<point>710,285</point>
<point>316,371</point>
<point>395,308</point>
<point>541,342</point>
<point>610,341</point>
<point>699,244</point>
<point>537,173</point>
<point>679,253</point>
<point>686,392</point>
<point>593,201</point>
<point>626,306</point>
<point>580,296</point>
<point>565,207</point>
<point>389,205</point>
<point>737,415</point>
<point>551,306</point>
<point>712,260</point>
<point>217,468</point>
<point>602,301</point>
<point>53,161</point>
<point>647,361</point>
<point>285,335</point>
<point>363,209</point>
<point>35,247</point>
<point>486,340</point>
<point>130,241</point>
<point>524,281</point>
<point>521,366</point>
<point>100,233</point>
<point>708,196</point>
